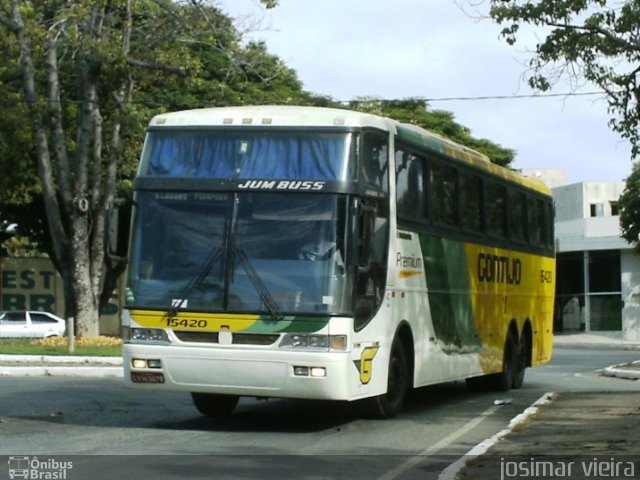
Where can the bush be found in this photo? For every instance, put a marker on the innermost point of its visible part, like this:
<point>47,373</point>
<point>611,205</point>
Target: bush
<point>80,342</point>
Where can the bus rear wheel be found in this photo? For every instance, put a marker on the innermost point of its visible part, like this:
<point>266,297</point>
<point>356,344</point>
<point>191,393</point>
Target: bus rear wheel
<point>521,364</point>
<point>390,404</point>
<point>213,404</point>
<point>505,379</point>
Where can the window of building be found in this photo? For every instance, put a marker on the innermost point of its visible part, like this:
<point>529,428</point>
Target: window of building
<point>605,286</point>
<point>597,209</point>
<point>615,209</point>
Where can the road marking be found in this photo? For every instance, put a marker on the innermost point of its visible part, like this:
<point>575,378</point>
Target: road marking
<point>451,472</point>
<point>449,439</point>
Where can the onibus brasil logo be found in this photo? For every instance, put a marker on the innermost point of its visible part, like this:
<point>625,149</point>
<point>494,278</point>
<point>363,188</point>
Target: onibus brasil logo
<point>33,468</point>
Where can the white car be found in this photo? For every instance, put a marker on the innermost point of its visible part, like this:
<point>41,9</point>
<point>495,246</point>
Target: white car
<point>22,323</point>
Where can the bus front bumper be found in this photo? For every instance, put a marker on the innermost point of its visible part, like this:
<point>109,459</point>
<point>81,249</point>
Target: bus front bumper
<point>264,373</point>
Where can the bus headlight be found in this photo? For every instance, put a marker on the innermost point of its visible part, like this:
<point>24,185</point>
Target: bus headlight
<point>314,342</point>
<point>145,335</point>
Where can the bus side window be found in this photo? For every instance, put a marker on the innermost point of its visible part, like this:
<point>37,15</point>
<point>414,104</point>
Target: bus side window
<point>375,161</point>
<point>470,203</point>
<point>549,226</point>
<point>410,178</point>
<point>443,194</point>
<point>517,218</point>
<point>537,224</point>
<point>496,209</point>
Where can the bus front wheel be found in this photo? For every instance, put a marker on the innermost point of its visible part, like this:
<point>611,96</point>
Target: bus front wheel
<point>390,404</point>
<point>213,404</point>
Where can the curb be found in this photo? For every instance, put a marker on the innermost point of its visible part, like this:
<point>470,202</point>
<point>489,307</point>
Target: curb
<point>54,359</point>
<point>60,366</point>
<point>619,371</point>
<point>601,346</point>
<point>56,371</point>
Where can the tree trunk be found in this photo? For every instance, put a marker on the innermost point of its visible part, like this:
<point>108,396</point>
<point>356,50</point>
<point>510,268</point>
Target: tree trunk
<point>86,299</point>
<point>76,191</point>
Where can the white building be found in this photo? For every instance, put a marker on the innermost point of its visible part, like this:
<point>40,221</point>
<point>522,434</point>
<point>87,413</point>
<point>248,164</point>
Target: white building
<point>598,272</point>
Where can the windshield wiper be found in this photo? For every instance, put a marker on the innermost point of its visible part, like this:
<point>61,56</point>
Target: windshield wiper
<point>212,258</point>
<point>266,297</point>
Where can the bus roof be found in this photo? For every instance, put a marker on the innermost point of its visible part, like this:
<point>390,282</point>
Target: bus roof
<point>440,145</point>
<point>299,116</point>
<point>270,115</point>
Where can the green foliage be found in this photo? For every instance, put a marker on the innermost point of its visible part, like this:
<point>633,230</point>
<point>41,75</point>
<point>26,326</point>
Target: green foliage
<point>185,55</point>
<point>629,203</point>
<point>16,148</point>
<point>416,112</point>
<point>586,40</point>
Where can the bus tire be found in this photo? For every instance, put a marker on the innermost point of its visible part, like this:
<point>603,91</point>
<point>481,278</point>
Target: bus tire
<point>521,365</point>
<point>390,404</point>
<point>504,379</point>
<point>213,404</point>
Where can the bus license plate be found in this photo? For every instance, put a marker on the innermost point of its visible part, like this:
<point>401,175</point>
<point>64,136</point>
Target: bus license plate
<point>147,377</point>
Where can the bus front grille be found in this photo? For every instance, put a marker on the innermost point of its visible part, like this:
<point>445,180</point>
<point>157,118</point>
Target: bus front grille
<point>262,339</point>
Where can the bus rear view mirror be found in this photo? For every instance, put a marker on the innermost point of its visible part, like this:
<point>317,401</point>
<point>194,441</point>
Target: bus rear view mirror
<point>367,215</point>
<point>118,227</point>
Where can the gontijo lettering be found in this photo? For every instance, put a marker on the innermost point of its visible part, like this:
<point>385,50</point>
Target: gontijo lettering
<point>499,269</point>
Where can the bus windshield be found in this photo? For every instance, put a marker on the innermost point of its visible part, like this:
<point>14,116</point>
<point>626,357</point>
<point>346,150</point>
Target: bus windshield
<point>225,154</point>
<point>226,252</point>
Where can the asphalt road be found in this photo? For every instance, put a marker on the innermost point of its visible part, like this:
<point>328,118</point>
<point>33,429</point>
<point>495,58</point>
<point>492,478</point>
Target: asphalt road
<point>89,421</point>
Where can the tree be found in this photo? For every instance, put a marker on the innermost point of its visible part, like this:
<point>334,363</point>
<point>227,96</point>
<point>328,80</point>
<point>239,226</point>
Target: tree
<point>630,208</point>
<point>416,112</point>
<point>16,148</point>
<point>596,41</point>
<point>80,64</point>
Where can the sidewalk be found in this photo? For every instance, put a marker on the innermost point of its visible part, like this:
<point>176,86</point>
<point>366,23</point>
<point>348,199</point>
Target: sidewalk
<point>573,436</point>
<point>602,339</point>
<point>629,371</point>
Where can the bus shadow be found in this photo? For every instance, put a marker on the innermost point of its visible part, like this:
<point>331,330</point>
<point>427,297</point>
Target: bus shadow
<point>302,416</point>
<point>84,404</point>
<point>272,415</point>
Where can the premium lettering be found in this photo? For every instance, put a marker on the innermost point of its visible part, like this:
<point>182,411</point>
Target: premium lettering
<point>408,261</point>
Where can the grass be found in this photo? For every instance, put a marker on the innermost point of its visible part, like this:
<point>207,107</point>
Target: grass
<point>85,346</point>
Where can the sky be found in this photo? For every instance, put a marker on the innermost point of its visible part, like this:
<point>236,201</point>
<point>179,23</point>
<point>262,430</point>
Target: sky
<point>436,49</point>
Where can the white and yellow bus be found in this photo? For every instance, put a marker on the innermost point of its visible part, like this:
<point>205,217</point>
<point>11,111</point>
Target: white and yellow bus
<point>318,253</point>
